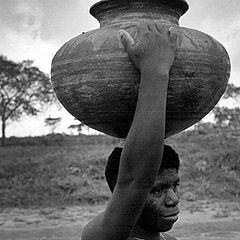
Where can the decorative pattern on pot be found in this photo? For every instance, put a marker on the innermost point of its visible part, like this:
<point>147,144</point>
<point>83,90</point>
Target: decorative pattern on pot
<point>97,83</point>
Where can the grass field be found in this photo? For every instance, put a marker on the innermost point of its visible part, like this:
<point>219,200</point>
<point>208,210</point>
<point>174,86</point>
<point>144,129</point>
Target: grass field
<point>51,186</point>
<point>49,171</point>
<point>57,170</point>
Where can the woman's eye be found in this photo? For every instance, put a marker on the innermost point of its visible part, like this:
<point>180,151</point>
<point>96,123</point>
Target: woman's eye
<point>156,191</point>
<point>175,187</point>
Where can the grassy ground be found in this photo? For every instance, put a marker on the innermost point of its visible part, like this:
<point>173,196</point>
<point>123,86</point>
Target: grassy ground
<point>58,170</point>
<point>53,172</point>
<point>210,162</point>
<point>51,186</point>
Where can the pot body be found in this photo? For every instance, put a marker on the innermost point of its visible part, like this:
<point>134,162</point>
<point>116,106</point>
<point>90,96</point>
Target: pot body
<point>97,83</point>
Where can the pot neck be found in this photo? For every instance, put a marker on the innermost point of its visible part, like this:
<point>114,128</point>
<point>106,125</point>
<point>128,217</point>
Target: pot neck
<point>109,12</point>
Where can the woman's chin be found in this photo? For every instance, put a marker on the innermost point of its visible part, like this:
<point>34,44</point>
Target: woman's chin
<point>165,224</point>
<point>160,225</point>
<point>165,228</point>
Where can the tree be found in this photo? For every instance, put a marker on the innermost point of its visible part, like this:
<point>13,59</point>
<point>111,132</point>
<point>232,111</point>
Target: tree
<point>78,127</point>
<point>224,117</point>
<point>232,91</point>
<point>24,89</point>
<point>227,117</point>
<point>52,123</point>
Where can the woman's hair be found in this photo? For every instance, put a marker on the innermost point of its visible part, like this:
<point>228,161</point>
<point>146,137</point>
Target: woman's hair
<point>170,160</point>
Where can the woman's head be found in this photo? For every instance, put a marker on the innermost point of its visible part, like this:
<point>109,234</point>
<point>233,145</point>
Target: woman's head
<point>160,211</point>
<point>170,160</point>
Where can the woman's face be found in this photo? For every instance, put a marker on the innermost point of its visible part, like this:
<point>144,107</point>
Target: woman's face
<point>161,210</point>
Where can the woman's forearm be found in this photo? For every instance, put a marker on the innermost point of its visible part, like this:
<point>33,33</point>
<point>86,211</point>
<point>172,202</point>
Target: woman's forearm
<point>142,153</point>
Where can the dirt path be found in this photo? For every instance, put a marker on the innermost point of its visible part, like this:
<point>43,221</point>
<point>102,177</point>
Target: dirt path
<point>198,221</point>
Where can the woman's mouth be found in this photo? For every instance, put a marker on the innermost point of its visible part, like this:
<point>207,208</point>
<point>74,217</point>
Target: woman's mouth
<point>170,217</point>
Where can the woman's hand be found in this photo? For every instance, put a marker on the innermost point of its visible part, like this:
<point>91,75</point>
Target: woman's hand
<point>155,48</point>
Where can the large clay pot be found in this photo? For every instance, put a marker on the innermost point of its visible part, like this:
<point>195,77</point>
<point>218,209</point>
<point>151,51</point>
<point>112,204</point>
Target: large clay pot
<point>97,83</point>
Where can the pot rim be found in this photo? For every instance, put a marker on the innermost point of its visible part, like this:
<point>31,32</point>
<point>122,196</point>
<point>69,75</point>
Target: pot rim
<point>98,6</point>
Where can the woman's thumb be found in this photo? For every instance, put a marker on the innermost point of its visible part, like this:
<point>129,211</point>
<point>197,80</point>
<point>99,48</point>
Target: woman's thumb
<point>127,40</point>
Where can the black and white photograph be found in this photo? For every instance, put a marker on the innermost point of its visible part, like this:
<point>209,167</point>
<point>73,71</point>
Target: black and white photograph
<point>120,120</point>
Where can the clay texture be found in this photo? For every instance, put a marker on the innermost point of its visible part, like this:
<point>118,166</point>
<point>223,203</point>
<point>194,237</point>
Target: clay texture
<point>97,83</point>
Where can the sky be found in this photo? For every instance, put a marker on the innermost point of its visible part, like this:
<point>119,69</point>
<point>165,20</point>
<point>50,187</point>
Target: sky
<point>36,29</point>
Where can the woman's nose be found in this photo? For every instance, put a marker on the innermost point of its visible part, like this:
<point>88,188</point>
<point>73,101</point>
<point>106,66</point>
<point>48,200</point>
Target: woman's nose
<point>171,198</point>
